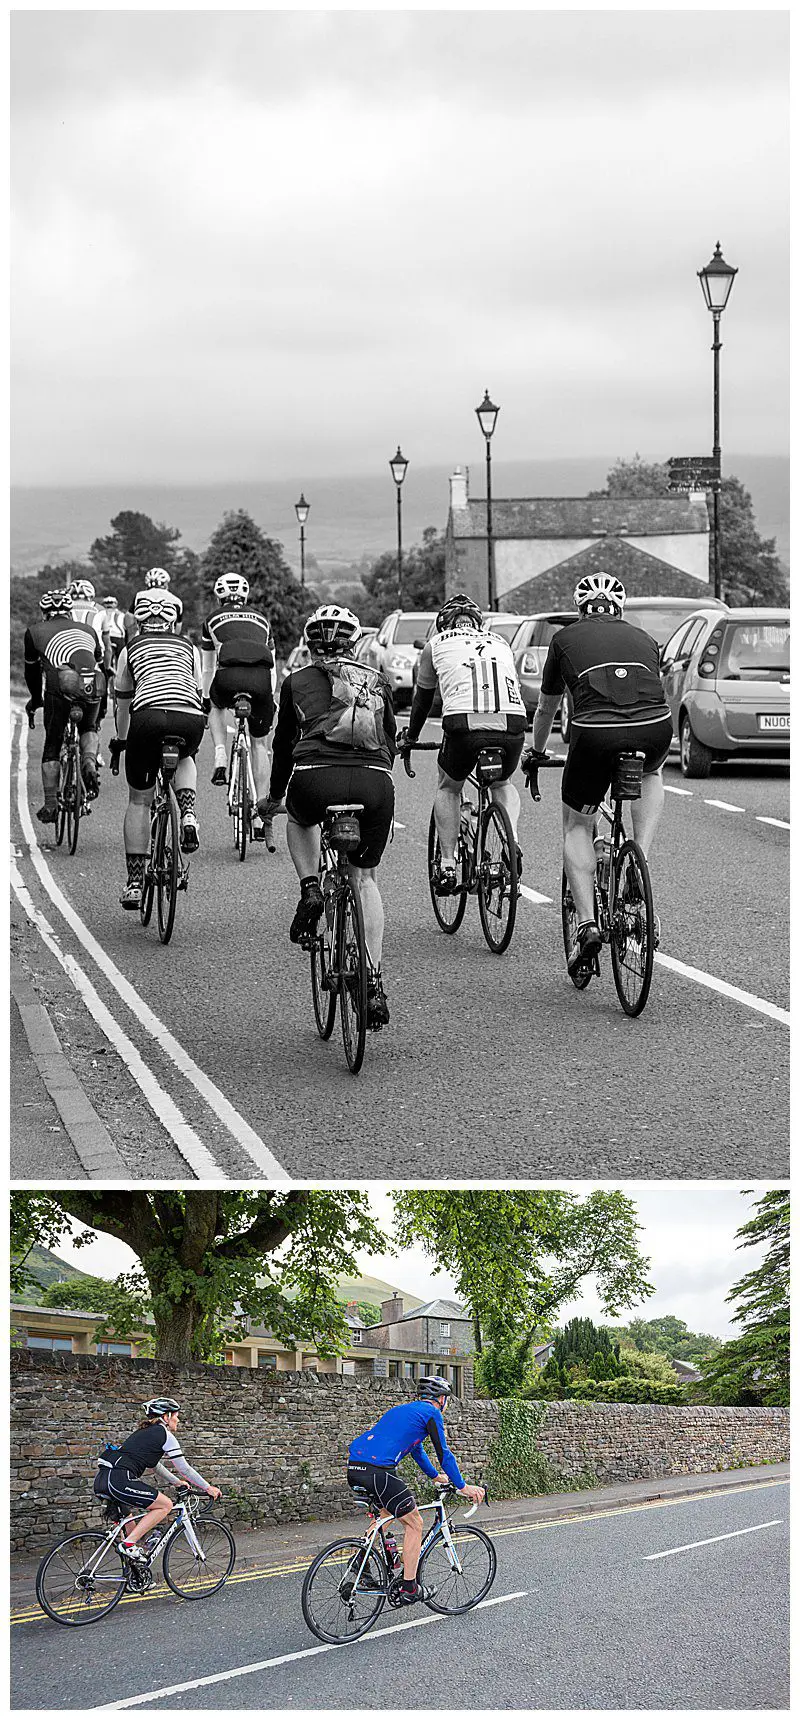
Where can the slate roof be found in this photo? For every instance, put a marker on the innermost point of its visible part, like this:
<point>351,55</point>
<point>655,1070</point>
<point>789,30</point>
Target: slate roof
<point>580,517</point>
<point>438,1310</point>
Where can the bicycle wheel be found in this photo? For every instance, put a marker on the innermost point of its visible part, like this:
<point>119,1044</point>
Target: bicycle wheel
<point>149,879</point>
<point>321,966</point>
<point>351,962</point>
<point>77,1582</point>
<point>498,878</point>
<point>74,802</point>
<point>167,864</point>
<point>449,910</point>
<point>343,1592</point>
<point>241,803</point>
<point>569,927</point>
<point>456,1589</point>
<point>632,928</point>
<point>191,1577</point>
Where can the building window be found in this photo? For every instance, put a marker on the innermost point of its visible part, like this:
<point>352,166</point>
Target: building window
<point>106,1349</point>
<point>444,1328</point>
<point>356,1335</point>
<point>408,1370</point>
<point>37,1343</point>
<point>348,1367</point>
<point>456,1381</point>
<point>265,1361</point>
<point>394,1370</point>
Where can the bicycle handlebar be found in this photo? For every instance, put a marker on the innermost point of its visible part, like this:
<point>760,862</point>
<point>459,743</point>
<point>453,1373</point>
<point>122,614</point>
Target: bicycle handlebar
<point>416,746</point>
<point>532,768</point>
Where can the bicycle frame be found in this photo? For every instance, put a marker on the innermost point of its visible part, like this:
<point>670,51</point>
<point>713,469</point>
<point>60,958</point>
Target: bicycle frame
<point>182,1521</point>
<point>241,745</point>
<point>440,1529</point>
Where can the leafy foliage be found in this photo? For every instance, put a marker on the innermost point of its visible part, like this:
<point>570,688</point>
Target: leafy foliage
<point>240,546</point>
<point>517,1469</point>
<point>669,1336</point>
<point>754,1368</point>
<point>370,1313</point>
<point>627,1390</point>
<point>423,579</point>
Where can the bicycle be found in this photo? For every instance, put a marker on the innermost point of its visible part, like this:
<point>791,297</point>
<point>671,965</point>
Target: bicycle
<point>84,1576</point>
<point>241,781</point>
<point>339,947</point>
<point>165,873</point>
<point>72,803</point>
<point>623,893</point>
<point>348,1584</point>
<point>487,863</point>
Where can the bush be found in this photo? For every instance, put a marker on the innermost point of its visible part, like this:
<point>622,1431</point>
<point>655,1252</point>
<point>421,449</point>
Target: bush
<point>626,1390</point>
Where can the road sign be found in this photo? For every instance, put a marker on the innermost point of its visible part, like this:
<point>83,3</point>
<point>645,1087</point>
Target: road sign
<point>707,464</point>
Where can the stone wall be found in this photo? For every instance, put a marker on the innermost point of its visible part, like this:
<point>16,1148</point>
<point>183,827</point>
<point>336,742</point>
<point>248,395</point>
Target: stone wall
<point>277,1443</point>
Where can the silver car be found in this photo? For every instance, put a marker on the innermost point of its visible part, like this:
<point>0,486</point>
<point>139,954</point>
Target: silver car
<point>726,680</point>
<point>395,649</point>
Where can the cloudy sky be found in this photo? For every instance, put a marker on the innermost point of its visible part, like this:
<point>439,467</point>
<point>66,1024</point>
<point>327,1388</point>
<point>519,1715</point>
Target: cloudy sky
<point>257,243</point>
<point>688,1233</point>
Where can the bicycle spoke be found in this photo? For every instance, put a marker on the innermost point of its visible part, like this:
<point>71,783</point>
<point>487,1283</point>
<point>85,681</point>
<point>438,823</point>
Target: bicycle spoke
<point>190,1575</point>
<point>461,1575</point>
<point>498,883</point>
<point>632,929</point>
<point>343,1592</point>
<point>449,910</point>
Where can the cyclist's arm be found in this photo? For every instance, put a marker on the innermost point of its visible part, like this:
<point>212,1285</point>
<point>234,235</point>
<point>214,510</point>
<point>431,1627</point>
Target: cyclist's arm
<point>198,672</point>
<point>123,693</point>
<point>423,693</point>
<point>423,1462</point>
<point>438,1438</point>
<point>33,670</point>
<point>172,1454</point>
<point>390,724</point>
<point>287,729</point>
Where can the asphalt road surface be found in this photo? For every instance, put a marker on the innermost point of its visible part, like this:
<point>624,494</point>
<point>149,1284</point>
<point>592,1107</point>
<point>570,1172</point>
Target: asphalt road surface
<point>680,1605</point>
<point>491,1066</point>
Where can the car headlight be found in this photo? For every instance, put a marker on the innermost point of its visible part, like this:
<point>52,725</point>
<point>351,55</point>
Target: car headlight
<point>398,663</point>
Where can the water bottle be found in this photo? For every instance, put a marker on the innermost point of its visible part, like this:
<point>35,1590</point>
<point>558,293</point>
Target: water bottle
<point>468,815</point>
<point>602,860</point>
<point>327,891</point>
<point>392,1550</point>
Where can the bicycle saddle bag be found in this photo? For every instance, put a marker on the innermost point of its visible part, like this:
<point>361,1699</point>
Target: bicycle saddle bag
<point>170,753</point>
<point>489,766</point>
<point>242,705</point>
<point>346,831</point>
<point>81,685</point>
<point>627,780</point>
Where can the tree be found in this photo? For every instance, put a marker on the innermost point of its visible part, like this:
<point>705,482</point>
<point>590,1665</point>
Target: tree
<point>636,478</point>
<point>518,1255</point>
<point>423,578</point>
<point>240,546</point>
<point>754,1368</point>
<point>369,1313</point>
<point>121,1302</point>
<point>212,1259</point>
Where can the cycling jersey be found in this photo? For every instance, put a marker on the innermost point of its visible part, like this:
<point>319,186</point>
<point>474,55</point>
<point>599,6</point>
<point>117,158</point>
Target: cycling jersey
<point>610,668</point>
<point>91,615</point>
<point>400,1433</point>
<point>238,636</point>
<point>305,697</point>
<point>160,669</point>
<point>475,672</point>
<point>57,644</point>
<point>148,1446</point>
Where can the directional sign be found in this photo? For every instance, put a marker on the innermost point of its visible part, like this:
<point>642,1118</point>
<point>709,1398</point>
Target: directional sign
<point>706,463</point>
<point>687,482</point>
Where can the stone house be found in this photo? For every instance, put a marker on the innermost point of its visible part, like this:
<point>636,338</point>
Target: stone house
<point>439,1328</point>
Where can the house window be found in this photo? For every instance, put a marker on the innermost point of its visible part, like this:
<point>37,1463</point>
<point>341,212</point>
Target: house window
<point>107,1349</point>
<point>455,1380</point>
<point>444,1328</point>
<point>265,1361</point>
<point>356,1335</point>
<point>37,1343</point>
<point>348,1367</point>
<point>408,1370</point>
<point>394,1370</point>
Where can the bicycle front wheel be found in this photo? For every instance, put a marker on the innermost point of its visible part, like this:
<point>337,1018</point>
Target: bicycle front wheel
<point>150,867</point>
<point>449,910</point>
<point>461,1575</point>
<point>192,1577</point>
<point>498,878</point>
<point>80,1579</point>
<point>344,1591</point>
<point>632,928</point>
<point>351,962</point>
<point>167,864</point>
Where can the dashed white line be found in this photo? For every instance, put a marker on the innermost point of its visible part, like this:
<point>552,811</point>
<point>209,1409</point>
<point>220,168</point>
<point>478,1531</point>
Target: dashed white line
<point>721,985</point>
<point>670,789</point>
<point>780,823</point>
<point>726,805</point>
<point>710,1539</point>
<point>533,895</point>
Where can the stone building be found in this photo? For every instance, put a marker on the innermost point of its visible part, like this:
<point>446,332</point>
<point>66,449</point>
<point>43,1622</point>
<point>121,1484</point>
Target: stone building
<point>438,1329</point>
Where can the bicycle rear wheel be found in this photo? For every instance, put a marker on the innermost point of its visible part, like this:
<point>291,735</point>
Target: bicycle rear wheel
<point>498,878</point>
<point>167,864</point>
<point>449,910</point>
<point>76,1585</point>
<point>343,1592</point>
<point>61,812</point>
<point>149,878</point>
<point>191,1577</point>
<point>75,802</point>
<point>457,1590</point>
<point>569,928</point>
<point>351,963</point>
<point>321,965</point>
<point>632,928</point>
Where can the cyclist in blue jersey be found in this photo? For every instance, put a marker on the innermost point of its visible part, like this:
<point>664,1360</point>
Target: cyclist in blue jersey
<point>374,1456</point>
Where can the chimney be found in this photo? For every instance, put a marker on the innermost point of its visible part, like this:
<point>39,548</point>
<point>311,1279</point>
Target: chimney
<point>392,1309</point>
<point>459,489</point>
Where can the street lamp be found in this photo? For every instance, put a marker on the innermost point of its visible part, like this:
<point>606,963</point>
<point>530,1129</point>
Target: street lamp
<point>716,280</point>
<point>398,467</point>
<point>301,509</point>
<point>487,418</point>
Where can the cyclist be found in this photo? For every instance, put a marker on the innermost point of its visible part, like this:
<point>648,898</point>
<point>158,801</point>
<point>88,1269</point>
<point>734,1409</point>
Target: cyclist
<point>158,579</point>
<point>157,693</point>
<point>373,1460</point>
<point>119,628</point>
<point>238,656</point>
<point>482,706</point>
<point>153,1442</point>
<point>86,609</point>
<point>323,754</point>
<point>611,670</point>
<point>62,668</point>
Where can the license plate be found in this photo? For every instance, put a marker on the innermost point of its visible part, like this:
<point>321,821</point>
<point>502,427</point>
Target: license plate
<point>773,722</point>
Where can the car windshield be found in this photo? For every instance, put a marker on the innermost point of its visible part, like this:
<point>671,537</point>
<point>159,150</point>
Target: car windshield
<point>506,629</point>
<point>755,650</point>
<point>659,623</point>
<point>409,628</point>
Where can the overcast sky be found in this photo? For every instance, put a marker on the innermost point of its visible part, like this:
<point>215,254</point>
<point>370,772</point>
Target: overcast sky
<point>263,244</point>
<point>688,1233</point>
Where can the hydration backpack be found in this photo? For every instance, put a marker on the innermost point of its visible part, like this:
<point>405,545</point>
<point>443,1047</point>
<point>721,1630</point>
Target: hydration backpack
<point>105,1463</point>
<point>355,715</point>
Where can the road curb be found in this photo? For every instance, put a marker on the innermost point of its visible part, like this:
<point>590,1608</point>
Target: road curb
<point>88,1134</point>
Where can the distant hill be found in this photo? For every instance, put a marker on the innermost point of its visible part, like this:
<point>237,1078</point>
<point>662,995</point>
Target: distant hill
<point>367,1289</point>
<point>48,1269</point>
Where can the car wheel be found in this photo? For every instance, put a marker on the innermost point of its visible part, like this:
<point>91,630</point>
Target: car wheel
<point>695,757</point>
<point>566,718</point>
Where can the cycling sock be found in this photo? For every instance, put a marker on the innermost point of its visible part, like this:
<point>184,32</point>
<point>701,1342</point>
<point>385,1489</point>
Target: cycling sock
<point>136,868</point>
<point>220,756</point>
<point>185,799</point>
<point>310,883</point>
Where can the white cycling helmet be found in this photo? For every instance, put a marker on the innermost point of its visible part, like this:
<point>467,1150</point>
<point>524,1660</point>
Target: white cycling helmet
<point>157,609</point>
<point>232,588</point>
<point>82,591</point>
<point>156,576</point>
<point>330,629</point>
<point>599,593</point>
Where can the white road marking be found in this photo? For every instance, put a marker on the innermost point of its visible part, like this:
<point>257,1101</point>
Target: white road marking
<point>687,1548</point>
<point>236,1125</point>
<point>398,825</point>
<point>533,895</point>
<point>188,1143</point>
<point>781,823</point>
<point>721,985</point>
<point>669,789</point>
<point>726,805</point>
<point>284,1659</point>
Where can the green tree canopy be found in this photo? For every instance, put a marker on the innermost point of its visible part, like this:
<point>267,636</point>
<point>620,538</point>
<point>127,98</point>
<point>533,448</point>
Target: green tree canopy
<point>669,1336</point>
<point>423,579</point>
<point>134,544</point>
<point>240,546</point>
<point>754,1368</point>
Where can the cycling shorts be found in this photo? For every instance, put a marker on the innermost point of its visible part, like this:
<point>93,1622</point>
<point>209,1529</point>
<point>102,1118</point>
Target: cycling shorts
<point>461,744</point>
<point>252,678</point>
<point>386,1489</point>
<point>313,788</point>
<point>130,1489</point>
<point>594,749</point>
<point>56,716</point>
<point>148,729</point>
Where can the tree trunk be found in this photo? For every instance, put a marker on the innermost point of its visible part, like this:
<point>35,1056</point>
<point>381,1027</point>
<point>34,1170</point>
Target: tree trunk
<point>175,1329</point>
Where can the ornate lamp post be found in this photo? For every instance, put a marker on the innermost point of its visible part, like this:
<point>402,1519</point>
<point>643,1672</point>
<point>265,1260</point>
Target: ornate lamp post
<point>716,280</point>
<point>301,509</point>
<point>487,418</point>
<point>398,467</point>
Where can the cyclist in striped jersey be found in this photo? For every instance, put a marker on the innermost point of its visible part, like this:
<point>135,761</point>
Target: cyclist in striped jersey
<point>481,707</point>
<point>62,659</point>
<point>157,692</point>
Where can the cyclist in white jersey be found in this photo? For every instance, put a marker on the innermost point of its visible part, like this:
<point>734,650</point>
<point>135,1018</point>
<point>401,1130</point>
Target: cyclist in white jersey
<point>482,706</point>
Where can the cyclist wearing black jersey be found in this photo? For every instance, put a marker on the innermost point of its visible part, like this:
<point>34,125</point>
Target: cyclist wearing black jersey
<point>63,668</point>
<point>238,653</point>
<point>611,670</point>
<point>373,1460</point>
<point>153,1442</point>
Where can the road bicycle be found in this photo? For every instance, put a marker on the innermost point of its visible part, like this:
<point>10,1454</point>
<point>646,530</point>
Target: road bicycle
<point>487,857</point>
<point>623,893</point>
<point>338,946</point>
<point>348,1584</point>
<point>72,800</point>
<point>165,873</point>
<point>241,781</point>
<point>84,1576</point>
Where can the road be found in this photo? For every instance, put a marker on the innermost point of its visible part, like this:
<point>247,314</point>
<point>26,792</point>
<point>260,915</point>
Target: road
<point>679,1605</point>
<point>491,1066</point>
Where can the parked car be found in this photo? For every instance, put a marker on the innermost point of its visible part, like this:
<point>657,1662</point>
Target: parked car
<point>726,679</point>
<point>367,633</point>
<point>497,620</point>
<point>395,648</point>
<point>658,616</point>
<point>299,657</point>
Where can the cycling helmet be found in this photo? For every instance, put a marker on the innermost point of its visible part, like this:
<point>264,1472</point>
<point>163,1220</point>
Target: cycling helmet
<point>156,608</point>
<point>156,576</point>
<point>433,1386</point>
<point>161,1406</point>
<point>55,602</point>
<point>109,602</point>
<point>599,593</point>
<point>232,587</point>
<point>82,591</point>
<point>331,629</point>
<point>459,610</point>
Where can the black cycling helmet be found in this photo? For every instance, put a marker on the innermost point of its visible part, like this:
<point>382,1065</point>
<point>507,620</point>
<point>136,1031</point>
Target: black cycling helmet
<point>433,1386</point>
<point>459,608</point>
<point>161,1406</point>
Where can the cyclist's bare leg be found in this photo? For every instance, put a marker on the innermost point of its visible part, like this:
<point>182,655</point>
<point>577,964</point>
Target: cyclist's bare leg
<point>136,827</point>
<point>365,879</point>
<point>412,1543</point>
<point>159,1509</point>
<point>506,795</point>
<point>261,764</point>
<point>302,841</point>
<point>579,860</point>
<point>645,813</point>
<point>217,722</point>
<point>447,813</point>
